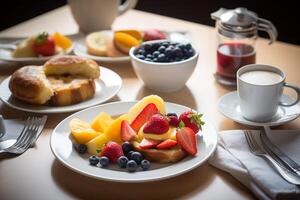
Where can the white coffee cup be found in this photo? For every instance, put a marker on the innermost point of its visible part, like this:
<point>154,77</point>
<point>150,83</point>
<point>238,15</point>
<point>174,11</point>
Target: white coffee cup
<point>95,15</point>
<point>260,89</point>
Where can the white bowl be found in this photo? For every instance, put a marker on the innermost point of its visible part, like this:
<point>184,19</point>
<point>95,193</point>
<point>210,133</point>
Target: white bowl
<point>163,77</point>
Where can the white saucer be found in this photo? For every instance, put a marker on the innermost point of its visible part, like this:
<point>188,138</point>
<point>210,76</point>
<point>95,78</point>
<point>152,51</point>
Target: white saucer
<point>229,106</point>
<point>107,87</point>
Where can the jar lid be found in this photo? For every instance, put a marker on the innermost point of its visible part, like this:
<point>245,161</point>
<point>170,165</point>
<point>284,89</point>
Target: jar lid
<point>240,17</point>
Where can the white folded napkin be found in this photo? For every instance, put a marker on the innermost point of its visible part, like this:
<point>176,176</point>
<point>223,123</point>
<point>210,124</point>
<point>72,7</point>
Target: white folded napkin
<point>233,156</point>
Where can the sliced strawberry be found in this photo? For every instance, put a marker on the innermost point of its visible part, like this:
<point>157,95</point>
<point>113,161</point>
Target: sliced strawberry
<point>144,116</point>
<point>148,143</point>
<point>186,138</point>
<point>167,144</point>
<point>127,133</point>
<point>113,151</point>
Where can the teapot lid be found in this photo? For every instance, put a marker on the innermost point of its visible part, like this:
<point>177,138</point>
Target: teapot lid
<point>241,17</point>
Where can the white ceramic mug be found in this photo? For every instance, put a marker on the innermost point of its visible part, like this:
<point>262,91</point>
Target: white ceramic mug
<point>260,90</point>
<point>95,15</point>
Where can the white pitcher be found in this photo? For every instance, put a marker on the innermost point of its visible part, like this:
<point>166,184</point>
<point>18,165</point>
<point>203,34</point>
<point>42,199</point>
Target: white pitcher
<point>95,15</point>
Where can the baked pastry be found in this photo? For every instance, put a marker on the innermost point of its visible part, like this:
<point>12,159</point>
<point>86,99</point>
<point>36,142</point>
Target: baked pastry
<point>31,85</point>
<point>61,81</point>
<point>161,155</point>
<point>72,65</point>
<point>70,89</point>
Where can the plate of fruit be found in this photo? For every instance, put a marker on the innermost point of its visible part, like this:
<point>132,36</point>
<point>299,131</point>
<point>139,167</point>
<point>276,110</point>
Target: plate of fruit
<point>139,141</point>
<point>36,48</point>
<point>114,46</point>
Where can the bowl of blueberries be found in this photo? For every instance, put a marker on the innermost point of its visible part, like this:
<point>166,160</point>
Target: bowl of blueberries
<point>164,65</point>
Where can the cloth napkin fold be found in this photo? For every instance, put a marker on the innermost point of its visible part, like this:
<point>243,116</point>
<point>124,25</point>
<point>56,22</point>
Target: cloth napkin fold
<point>233,156</point>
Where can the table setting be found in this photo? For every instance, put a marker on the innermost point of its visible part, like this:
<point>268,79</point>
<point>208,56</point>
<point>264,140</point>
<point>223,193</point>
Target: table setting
<point>124,105</point>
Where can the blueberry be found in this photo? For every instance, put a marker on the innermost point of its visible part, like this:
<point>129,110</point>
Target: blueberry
<point>131,166</point>
<point>177,59</point>
<point>155,46</point>
<point>148,59</point>
<point>80,148</point>
<point>129,154</point>
<point>122,161</point>
<point>155,54</point>
<point>126,147</point>
<point>137,157</point>
<point>190,53</point>
<point>94,160</point>
<point>149,56</point>
<point>181,46</point>
<point>145,164</point>
<point>161,57</point>
<point>172,114</point>
<point>142,57</point>
<point>178,52</point>
<point>141,52</point>
<point>162,49</point>
<point>147,47</point>
<point>165,44</point>
<point>169,51</point>
<point>155,60</point>
<point>188,46</point>
<point>104,161</point>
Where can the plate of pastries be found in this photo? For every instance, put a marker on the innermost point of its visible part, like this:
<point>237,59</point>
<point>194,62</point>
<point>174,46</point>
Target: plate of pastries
<point>63,84</point>
<point>36,48</point>
<point>114,45</point>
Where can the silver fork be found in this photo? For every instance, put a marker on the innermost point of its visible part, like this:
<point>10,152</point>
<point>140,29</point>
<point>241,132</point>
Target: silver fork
<point>258,151</point>
<point>27,136</point>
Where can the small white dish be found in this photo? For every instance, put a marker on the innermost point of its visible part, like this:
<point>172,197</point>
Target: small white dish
<point>63,150</point>
<point>107,87</point>
<point>163,76</point>
<point>6,55</point>
<point>229,106</point>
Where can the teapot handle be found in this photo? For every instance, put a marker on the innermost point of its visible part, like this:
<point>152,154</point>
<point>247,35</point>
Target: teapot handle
<point>266,25</point>
<point>128,4</point>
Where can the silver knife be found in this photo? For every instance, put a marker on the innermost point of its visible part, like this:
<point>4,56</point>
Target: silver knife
<point>275,151</point>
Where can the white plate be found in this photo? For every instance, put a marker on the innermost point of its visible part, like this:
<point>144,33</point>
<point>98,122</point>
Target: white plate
<point>5,55</point>
<point>61,147</point>
<point>80,47</point>
<point>229,106</point>
<point>107,86</point>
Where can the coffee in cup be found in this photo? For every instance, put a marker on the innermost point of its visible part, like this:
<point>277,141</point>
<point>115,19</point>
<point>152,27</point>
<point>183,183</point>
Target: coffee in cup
<point>260,89</point>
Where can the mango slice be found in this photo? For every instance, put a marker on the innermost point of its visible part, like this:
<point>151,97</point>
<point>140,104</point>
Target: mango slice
<point>95,146</point>
<point>102,122</point>
<point>82,131</point>
<point>113,132</point>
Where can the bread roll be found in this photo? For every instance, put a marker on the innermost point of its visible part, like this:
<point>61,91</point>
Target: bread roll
<point>30,84</point>
<point>72,65</point>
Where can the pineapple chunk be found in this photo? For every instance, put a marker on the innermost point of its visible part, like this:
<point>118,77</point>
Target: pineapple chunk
<point>113,132</point>
<point>101,122</point>
<point>82,131</point>
<point>95,146</point>
<point>139,106</point>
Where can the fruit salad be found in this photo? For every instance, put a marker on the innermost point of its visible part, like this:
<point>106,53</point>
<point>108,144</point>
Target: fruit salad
<point>147,133</point>
<point>42,44</point>
<point>102,44</point>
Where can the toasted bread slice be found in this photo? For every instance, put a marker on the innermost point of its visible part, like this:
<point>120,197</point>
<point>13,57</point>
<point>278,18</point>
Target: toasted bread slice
<point>161,155</point>
<point>70,90</point>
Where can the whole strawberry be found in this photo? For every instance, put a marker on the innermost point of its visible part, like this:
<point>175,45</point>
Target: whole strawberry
<point>192,120</point>
<point>44,45</point>
<point>157,124</point>
<point>113,151</point>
